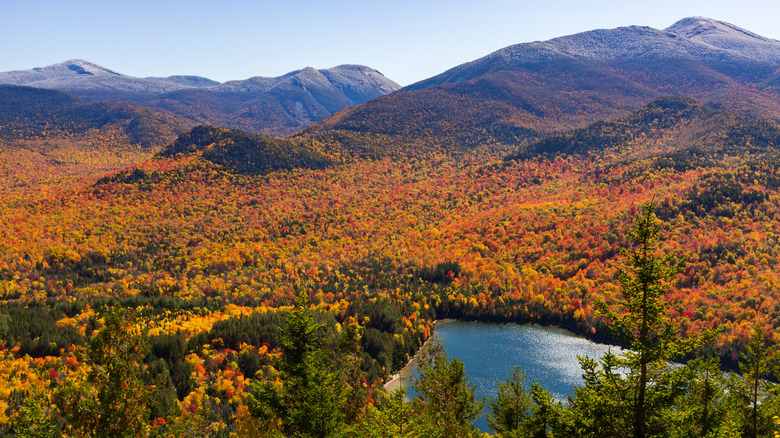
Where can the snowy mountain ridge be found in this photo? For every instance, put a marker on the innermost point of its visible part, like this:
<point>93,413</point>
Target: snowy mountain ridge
<point>694,39</point>
<point>93,82</point>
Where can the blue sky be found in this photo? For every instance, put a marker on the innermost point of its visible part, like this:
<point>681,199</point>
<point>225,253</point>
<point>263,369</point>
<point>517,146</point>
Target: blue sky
<point>405,40</point>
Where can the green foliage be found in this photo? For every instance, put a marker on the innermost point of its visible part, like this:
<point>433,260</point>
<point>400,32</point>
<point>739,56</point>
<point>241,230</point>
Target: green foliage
<point>115,401</point>
<point>511,409</point>
<point>35,330</point>
<point>388,418</point>
<point>602,408</point>
<point>642,318</point>
<point>717,195</point>
<point>310,400</point>
<point>545,412</point>
<point>751,392</point>
<point>245,153</point>
<point>256,329</point>
<point>35,419</point>
<point>703,406</point>
<point>446,401</point>
<point>441,273</point>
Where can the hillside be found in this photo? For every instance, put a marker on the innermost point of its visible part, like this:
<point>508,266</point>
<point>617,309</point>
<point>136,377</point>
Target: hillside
<point>240,152</point>
<point>50,140</point>
<point>530,90</point>
<point>271,106</point>
<point>665,127</point>
<point>30,113</point>
<point>523,240</point>
<point>277,106</point>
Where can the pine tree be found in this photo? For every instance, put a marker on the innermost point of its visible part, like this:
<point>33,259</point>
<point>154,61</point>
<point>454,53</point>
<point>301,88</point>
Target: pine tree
<point>511,408</point>
<point>310,399</point>
<point>641,318</point>
<point>446,405</point>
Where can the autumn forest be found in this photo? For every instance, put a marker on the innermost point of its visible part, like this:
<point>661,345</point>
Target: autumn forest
<point>163,279</point>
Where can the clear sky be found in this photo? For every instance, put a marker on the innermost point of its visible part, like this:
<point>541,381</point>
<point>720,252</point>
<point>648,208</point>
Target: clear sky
<point>406,40</point>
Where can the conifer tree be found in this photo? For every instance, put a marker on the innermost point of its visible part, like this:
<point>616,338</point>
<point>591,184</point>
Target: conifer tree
<point>34,421</point>
<point>119,406</point>
<point>388,418</point>
<point>311,396</point>
<point>446,404</point>
<point>641,318</point>
<point>755,367</point>
<point>511,408</point>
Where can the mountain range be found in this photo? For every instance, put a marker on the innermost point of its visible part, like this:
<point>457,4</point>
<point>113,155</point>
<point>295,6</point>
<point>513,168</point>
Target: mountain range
<point>513,96</point>
<point>271,106</point>
<point>526,91</point>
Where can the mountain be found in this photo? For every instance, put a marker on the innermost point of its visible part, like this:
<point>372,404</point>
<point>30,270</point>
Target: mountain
<point>675,127</point>
<point>241,152</point>
<point>274,106</point>
<point>28,113</point>
<point>526,91</point>
<point>95,83</point>
<point>277,106</point>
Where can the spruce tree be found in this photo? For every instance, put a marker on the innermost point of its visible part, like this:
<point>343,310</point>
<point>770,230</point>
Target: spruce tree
<point>641,318</point>
<point>446,403</point>
<point>309,402</point>
<point>511,409</point>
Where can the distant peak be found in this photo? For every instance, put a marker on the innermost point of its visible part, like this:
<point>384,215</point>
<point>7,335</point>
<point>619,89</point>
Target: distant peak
<point>356,67</point>
<point>703,27</point>
<point>84,67</point>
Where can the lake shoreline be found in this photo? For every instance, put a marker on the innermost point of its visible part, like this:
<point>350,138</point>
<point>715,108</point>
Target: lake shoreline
<point>395,380</point>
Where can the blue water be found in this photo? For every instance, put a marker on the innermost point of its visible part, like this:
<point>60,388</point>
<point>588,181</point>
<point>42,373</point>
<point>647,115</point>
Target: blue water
<point>490,353</point>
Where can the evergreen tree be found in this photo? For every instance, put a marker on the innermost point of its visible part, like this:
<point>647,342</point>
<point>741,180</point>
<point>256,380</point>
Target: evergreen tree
<point>544,412</point>
<point>389,418</point>
<point>310,399</point>
<point>510,410</point>
<point>641,318</point>
<point>35,421</point>
<point>446,403</point>
<point>753,388</point>
<point>600,408</point>
<point>702,408</point>
<point>120,406</point>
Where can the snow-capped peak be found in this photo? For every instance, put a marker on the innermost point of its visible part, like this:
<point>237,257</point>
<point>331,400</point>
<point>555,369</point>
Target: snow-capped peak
<point>728,37</point>
<point>702,29</point>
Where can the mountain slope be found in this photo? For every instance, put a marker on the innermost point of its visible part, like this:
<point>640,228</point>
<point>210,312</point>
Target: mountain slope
<point>277,106</point>
<point>526,91</point>
<point>241,152</point>
<point>32,113</point>
<point>665,127</point>
<point>95,83</point>
<point>274,106</point>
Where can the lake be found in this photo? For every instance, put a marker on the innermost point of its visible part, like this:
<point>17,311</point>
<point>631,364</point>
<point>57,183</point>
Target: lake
<point>491,351</point>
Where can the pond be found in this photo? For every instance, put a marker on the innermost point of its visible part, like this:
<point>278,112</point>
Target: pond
<point>490,352</point>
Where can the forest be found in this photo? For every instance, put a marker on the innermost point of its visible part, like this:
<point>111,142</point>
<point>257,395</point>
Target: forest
<point>189,265</point>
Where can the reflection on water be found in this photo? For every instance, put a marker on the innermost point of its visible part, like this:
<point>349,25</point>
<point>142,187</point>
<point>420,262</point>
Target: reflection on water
<point>491,351</point>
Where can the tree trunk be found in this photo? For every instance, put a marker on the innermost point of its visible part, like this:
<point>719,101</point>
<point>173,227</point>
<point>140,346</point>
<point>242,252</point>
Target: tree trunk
<point>640,426</point>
